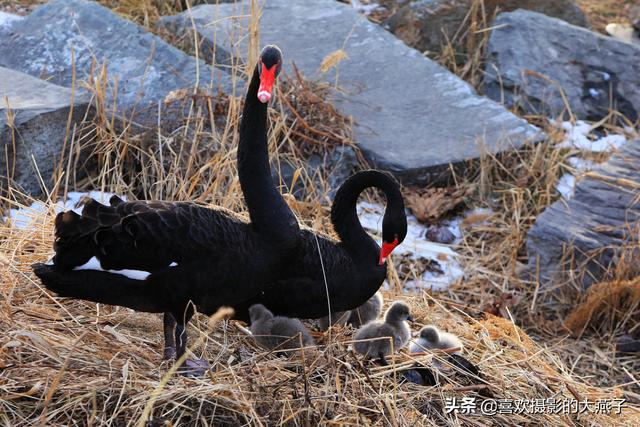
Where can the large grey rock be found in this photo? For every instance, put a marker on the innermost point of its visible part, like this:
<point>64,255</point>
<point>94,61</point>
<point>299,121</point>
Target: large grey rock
<point>412,116</point>
<point>33,127</point>
<point>328,172</point>
<point>531,58</point>
<point>427,25</point>
<point>142,66</point>
<point>582,237</point>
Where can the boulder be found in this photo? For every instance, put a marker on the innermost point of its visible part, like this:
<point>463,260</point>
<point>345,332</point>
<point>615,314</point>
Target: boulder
<point>34,116</point>
<point>582,237</point>
<point>545,65</point>
<point>141,68</point>
<point>412,116</point>
<point>428,25</point>
<point>328,171</point>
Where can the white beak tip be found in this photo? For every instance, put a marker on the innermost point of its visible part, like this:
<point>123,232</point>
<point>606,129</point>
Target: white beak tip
<point>264,96</point>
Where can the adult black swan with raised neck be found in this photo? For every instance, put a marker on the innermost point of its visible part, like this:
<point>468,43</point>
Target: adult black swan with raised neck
<point>165,238</point>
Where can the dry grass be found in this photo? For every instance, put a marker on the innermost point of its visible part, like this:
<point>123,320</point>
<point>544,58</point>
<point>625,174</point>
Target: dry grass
<point>72,362</point>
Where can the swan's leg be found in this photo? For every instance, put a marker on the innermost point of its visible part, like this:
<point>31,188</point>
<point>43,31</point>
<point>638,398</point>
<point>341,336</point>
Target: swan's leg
<point>383,359</point>
<point>169,325</point>
<point>191,368</point>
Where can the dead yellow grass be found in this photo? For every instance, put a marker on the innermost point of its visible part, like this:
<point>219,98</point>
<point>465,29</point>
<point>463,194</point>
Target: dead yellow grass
<point>605,305</point>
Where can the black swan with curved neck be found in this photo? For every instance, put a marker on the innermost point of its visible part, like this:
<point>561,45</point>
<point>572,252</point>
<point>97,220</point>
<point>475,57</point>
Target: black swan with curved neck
<point>350,269</point>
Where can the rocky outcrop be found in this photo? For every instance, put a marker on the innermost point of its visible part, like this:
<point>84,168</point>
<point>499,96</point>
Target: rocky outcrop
<point>412,116</point>
<point>141,68</point>
<point>427,25</point>
<point>582,237</point>
<point>35,125</point>
<point>544,65</point>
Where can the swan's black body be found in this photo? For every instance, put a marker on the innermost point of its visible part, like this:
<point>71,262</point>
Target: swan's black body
<point>220,260</point>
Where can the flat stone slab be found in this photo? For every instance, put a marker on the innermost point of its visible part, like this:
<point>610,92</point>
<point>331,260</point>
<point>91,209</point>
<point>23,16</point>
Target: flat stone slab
<point>531,58</point>
<point>412,116</point>
<point>583,236</point>
<point>142,67</point>
<point>33,126</point>
<point>428,25</point>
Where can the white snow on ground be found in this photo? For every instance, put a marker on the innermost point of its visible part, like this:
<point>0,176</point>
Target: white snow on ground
<point>567,183</point>
<point>8,18</point>
<point>566,186</point>
<point>578,136</point>
<point>366,9</point>
<point>26,217</point>
<point>580,164</point>
<point>416,246</point>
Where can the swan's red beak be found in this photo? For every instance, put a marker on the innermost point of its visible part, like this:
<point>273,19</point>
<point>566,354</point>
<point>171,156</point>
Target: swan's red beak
<point>386,250</point>
<point>267,79</point>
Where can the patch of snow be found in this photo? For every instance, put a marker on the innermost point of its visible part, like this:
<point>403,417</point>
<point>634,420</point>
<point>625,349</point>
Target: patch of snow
<point>608,143</point>
<point>7,18</point>
<point>416,246</point>
<point>366,9</point>
<point>578,136</point>
<point>580,164</point>
<point>26,217</point>
<point>566,186</point>
<point>94,264</point>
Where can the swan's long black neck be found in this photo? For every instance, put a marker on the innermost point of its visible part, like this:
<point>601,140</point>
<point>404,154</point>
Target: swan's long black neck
<point>270,215</point>
<point>344,215</point>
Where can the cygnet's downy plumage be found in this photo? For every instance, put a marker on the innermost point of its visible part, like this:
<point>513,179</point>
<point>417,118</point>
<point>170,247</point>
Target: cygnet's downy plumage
<point>276,332</point>
<point>430,337</point>
<point>339,318</point>
<point>367,312</point>
<point>380,338</point>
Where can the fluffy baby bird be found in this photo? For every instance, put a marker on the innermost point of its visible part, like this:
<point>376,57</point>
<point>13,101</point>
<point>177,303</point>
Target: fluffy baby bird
<point>275,332</point>
<point>367,312</point>
<point>430,337</point>
<point>364,314</point>
<point>394,326</point>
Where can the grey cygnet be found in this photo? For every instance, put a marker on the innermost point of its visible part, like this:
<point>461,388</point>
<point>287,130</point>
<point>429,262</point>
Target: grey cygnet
<point>276,332</point>
<point>392,333</point>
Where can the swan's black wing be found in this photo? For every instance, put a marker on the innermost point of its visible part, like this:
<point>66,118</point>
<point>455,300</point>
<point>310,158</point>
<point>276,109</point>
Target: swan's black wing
<point>145,235</point>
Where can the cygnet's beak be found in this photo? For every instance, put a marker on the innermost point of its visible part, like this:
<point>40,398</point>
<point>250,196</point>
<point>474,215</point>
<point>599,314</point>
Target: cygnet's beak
<point>410,319</point>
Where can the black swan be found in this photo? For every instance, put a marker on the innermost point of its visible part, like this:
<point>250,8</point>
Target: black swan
<point>148,236</point>
<point>278,332</point>
<point>380,338</point>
